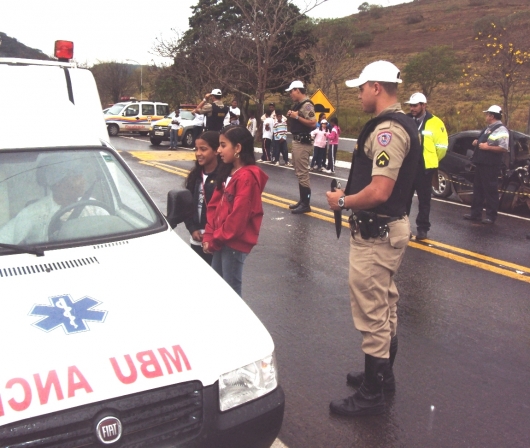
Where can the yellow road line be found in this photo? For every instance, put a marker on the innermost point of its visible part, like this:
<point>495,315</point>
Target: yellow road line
<point>500,267</point>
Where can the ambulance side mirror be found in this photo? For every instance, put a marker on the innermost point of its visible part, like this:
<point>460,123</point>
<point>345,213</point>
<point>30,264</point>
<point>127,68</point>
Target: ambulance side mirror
<point>179,206</point>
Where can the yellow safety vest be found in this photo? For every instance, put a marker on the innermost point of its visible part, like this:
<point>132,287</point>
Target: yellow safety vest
<point>435,141</point>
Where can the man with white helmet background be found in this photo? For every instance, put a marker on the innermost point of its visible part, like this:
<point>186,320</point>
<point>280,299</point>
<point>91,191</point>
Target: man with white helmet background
<point>215,111</point>
<point>490,146</point>
<point>434,142</point>
<point>386,159</point>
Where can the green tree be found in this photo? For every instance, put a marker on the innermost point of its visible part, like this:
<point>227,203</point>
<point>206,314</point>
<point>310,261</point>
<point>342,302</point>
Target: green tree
<point>432,67</point>
<point>114,80</point>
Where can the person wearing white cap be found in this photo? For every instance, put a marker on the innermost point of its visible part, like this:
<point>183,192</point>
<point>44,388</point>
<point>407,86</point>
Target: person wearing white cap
<point>434,141</point>
<point>302,121</point>
<point>215,112</point>
<point>385,161</point>
<point>491,145</point>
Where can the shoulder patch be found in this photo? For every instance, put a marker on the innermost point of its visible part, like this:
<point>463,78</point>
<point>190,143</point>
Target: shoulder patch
<point>311,114</point>
<point>383,159</point>
<point>384,138</point>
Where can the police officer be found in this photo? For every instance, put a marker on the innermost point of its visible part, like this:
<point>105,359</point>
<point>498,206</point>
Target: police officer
<point>302,121</point>
<point>434,142</point>
<point>491,145</point>
<point>215,111</point>
<point>387,154</point>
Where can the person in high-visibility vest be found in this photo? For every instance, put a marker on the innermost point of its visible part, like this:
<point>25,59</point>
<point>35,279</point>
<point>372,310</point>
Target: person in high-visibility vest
<point>434,141</point>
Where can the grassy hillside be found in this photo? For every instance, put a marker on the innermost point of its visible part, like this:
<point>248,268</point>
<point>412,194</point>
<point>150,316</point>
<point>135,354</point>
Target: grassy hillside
<point>12,48</point>
<point>404,30</point>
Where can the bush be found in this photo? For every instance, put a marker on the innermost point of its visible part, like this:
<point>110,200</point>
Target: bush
<point>483,25</point>
<point>414,18</point>
<point>362,39</point>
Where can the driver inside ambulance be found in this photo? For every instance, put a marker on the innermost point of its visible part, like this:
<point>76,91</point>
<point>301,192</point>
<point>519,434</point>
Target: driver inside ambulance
<point>66,184</point>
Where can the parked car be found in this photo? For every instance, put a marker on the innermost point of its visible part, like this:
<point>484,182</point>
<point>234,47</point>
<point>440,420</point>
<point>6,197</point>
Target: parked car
<point>134,116</point>
<point>456,171</point>
<point>160,129</point>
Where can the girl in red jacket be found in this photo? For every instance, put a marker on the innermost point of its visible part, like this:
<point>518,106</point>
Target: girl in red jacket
<point>235,210</point>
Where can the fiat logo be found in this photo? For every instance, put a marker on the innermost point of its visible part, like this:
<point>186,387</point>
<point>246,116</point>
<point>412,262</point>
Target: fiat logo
<point>109,430</point>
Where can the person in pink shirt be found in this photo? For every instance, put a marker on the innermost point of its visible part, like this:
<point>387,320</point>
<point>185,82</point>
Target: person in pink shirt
<point>333,139</point>
<point>320,136</point>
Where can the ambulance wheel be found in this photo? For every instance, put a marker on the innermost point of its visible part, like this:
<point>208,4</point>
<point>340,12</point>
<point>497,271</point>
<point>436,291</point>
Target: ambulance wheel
<point>155,141</point>
<point>113,130</point>
<point>187,140</point>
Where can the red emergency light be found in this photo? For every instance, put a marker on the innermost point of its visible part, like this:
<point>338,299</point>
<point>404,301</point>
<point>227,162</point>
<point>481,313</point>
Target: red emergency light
<point>64,50</point>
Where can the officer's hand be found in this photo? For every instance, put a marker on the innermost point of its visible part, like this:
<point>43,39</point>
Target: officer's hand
<point>474,142</point>
<point>333,197</point>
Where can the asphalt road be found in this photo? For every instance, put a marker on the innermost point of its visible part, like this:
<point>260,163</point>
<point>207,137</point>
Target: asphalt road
<point>463,366</point>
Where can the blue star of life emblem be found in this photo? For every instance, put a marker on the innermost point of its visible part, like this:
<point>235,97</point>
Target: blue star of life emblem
<point>64,312</point>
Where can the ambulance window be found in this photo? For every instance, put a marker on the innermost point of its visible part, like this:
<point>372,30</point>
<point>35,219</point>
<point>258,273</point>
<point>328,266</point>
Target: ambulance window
<point>162,109</point>
<point>148,109</point>
<point>132,110</point>
<point>49,197</point>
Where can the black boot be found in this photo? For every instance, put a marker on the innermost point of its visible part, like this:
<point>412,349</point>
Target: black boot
<point>369,399</point>
<point>305,197</point>
<point>293,206</point>
<point>355,379</point>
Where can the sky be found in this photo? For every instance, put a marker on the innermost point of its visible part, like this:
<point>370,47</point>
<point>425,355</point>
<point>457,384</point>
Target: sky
<point>104,30</point>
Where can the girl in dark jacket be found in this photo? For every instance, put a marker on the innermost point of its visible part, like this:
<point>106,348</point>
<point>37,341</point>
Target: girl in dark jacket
<point>201,181</point>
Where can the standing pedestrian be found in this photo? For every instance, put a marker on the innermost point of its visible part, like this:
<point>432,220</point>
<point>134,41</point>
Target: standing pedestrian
<point>252,124</point>
<point>266,138</point>
<point>321,117</point>
<point>279,139</point>
<point>302,121</point>
<point>434,141</point>
<point>320,136</point>
<point>233,114</point>
<point>201,181</point>
<point>235,211</point>
<point>173,132</point>
<point>333,146</point>
<point>491,145</point>
<point>388,151</point>
<point>271,108</point>
<point>198,125</point>
<point>215,112</point>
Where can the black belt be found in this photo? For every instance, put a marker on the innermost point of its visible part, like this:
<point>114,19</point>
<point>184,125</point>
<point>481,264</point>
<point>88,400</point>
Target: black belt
<point>370,225</point>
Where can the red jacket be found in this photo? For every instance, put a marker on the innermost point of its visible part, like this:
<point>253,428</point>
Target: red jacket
<point>235,212</point>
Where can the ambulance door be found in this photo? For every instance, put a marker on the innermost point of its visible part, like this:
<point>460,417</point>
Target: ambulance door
<point>131,118</point>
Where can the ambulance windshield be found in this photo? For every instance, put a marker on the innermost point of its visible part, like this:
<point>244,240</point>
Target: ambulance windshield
<point>56,197</point>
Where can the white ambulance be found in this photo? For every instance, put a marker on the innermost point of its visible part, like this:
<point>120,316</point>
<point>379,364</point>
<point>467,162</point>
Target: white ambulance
<point>99,347</point>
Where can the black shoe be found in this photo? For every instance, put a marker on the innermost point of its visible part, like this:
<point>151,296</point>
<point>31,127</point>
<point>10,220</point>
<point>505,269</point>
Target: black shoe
<point>369,399</point>
<point>293,206</point>
<point>488,221</point>
<point>355,378</point>
<point>421,235</point>
<point>472,218</point>
<point>302,208</point>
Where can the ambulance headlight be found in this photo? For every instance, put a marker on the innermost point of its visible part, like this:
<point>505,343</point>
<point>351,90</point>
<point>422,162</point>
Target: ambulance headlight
<point>247,383</point>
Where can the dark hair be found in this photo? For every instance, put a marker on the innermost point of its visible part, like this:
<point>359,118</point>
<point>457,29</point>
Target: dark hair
<point>320,116</point>
<point>267,113</point>
<point>212,138</point>
<point>271,104</point>
<point>279,112</point>
<point>389,87</point>
<point>237,135</point>
<point>301,90</point>
<point>334,120</point>
<point>218,97</point>
<point>496,115</point>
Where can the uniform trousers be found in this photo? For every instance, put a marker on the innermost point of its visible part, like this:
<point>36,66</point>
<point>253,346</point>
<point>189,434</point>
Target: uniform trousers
<point>301,153</point>
<point>422,185</point>
<point>485,190</point>
<point>373,293</point>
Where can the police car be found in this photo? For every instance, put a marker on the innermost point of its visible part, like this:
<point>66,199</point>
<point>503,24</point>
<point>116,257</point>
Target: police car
<point>99,347</point>
<point>134,116</point>
<point>161,128</point>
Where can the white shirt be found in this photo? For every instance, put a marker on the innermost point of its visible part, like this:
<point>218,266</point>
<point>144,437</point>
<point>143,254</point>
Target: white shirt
<point>175,123</point>
<point>198,120</point>
<point>31,224</point>
<point>235,111</point>
<point>268,133</point>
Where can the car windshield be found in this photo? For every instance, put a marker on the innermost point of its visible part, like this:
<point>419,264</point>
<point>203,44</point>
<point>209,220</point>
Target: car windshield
<point>116,109</point>
<point>54,197</point>
<point>186,115</point>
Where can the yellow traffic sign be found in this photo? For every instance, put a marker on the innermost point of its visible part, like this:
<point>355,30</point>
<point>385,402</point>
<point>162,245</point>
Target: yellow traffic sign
<point>322,104</point>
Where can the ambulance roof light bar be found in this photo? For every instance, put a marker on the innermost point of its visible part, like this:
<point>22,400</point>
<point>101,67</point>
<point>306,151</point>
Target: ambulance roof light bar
<point>64,50</point>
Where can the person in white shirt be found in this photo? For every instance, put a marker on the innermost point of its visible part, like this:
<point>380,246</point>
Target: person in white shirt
<point>268,125</point>
<point>232,117</point>
<point>173,133</point>
<point>198,125</point>
<point>252,124</point>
